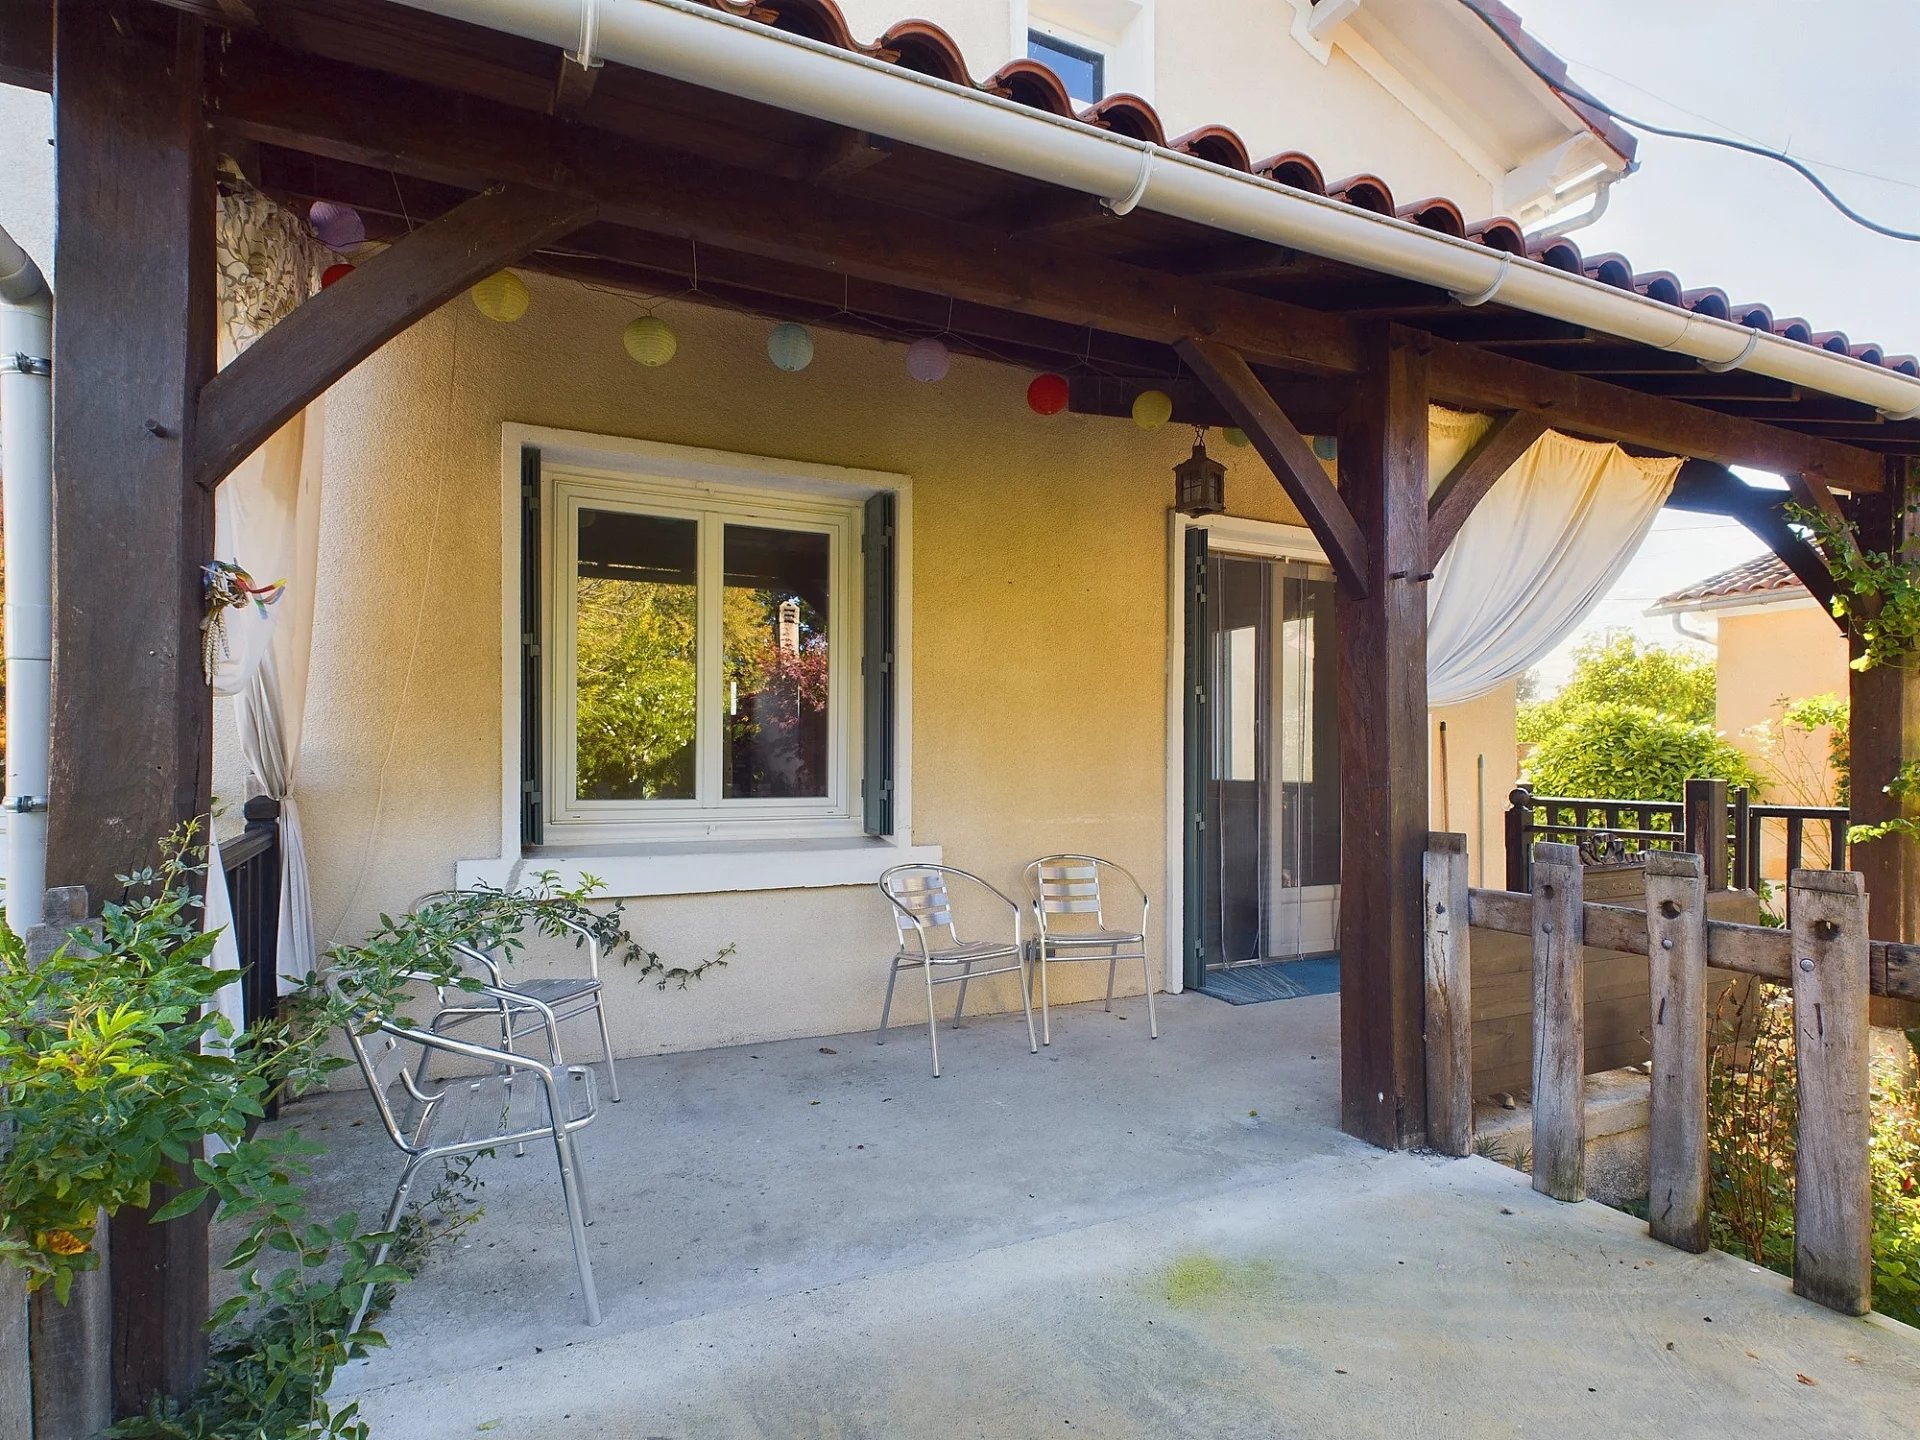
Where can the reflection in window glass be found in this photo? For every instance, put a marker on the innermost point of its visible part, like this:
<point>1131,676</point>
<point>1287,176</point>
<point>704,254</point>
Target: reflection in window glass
<point>636,623</point>
<point>774,665</point>
<point>1083,71</point>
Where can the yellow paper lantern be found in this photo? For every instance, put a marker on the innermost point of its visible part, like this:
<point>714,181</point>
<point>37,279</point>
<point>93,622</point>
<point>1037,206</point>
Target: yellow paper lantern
<point>501,296</point>
<point>1234,436</point>
<point>1152,409</point>
<point>650,340</point>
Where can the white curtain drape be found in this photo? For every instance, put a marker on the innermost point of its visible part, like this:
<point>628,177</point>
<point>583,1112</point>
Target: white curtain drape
<point>1539,551</point>
<point>267,520</point>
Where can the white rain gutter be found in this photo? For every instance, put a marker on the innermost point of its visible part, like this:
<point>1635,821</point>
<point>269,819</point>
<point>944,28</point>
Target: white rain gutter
<point>718,51</point>
<point>26,460</point>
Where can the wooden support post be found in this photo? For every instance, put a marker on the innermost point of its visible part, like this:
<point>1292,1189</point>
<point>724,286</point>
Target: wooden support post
<point>1383,748</point>
<point>1832,1194</point>
<point>1677,1145</point>
<point>132,712</point>
<point>1477,473</point>
<point>1706,829</point>
<point>1449,997</point>
<point>1559,1025</point>
<point>1885,733</point>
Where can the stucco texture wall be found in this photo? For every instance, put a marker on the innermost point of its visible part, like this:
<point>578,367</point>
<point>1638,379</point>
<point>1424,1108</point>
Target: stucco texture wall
<point>1460,800</point>
<point>1039,616</point>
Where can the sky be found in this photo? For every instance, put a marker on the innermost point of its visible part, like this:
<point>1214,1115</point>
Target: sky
<point>1832,84</point>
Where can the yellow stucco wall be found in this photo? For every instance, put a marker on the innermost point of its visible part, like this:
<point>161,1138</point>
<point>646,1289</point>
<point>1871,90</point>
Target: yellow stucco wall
<point>1039,614</point>
<point>1479,728</point>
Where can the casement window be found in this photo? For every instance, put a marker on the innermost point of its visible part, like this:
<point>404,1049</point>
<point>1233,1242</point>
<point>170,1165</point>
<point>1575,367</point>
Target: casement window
<point>703,661</point>
<point>1082,67</point>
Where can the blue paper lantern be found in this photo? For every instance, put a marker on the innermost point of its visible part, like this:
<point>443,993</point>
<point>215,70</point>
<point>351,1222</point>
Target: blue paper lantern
<point>790,346</point>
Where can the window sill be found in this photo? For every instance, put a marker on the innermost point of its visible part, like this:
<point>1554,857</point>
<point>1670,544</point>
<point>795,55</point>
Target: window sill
<point>707,867</point>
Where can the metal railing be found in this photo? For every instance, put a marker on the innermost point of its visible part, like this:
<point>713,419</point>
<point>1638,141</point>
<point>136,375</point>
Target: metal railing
<point>251,863</point>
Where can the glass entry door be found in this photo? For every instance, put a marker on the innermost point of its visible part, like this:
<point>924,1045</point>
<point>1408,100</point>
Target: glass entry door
<point>1263,767</point>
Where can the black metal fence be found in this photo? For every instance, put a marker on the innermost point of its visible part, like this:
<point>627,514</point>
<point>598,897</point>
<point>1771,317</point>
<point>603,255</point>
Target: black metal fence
<point>251,862</point>
<point>1711,821</point>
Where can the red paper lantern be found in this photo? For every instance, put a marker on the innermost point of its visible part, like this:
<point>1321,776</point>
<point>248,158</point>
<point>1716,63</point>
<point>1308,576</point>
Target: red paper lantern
<point>1047,395</point>
<point>333,273</point>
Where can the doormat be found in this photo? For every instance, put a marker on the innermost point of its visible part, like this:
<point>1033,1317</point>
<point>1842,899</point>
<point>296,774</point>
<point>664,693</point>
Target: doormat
<point>1280,980</point>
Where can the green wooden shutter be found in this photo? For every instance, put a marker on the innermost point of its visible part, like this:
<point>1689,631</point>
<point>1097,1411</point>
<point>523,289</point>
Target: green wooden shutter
<point>531,800</point>
<point>877,543</point>
<point>1198,755</point>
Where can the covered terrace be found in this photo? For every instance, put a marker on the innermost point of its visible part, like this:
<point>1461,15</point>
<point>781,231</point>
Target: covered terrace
<point>758,151</point>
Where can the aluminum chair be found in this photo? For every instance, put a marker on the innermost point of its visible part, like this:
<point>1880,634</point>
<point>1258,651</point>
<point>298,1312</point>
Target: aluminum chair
<point>1062,885</point>
<point>922,907</point>
<point>567,997</point>
<point>515,1099</point>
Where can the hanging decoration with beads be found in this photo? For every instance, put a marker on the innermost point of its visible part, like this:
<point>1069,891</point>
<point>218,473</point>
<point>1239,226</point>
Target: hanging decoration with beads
<point>228,587</point>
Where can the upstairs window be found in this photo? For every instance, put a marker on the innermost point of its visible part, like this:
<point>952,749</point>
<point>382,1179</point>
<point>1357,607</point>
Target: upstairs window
<point>1081,68</point>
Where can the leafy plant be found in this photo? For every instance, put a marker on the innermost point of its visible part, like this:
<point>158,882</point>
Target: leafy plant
<point>107,1073</point>
<point>1876,593</point>
<point>1620,668</point>
<point>1613,750</point>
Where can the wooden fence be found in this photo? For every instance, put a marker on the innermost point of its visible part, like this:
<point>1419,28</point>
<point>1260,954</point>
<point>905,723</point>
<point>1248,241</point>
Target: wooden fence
<point>1825,957</point>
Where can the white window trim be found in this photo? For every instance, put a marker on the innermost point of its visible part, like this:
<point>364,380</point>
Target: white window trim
<point>682,867</point>
<point>568,489</point>
<point>1226,535</point>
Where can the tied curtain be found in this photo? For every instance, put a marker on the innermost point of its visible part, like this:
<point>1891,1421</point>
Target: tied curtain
<point>267,520</point>
<point>1537,553</point>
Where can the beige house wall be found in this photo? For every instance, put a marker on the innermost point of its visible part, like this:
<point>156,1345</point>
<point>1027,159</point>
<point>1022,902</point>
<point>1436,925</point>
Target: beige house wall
<point>1465,798</point>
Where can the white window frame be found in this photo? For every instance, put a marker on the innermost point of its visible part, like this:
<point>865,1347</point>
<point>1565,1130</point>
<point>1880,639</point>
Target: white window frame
<point>770,858</point>
<point>570,489</point>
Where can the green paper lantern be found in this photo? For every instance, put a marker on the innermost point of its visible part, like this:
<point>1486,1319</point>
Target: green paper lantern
<point>502,296</point>
<point>650,341</point>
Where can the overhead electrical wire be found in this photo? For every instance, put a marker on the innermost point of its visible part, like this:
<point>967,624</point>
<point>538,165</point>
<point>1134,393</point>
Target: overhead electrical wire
<point>1566,85</point>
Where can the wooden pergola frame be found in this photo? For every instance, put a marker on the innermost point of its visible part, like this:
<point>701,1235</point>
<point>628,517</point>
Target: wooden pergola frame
<point>145,430</point>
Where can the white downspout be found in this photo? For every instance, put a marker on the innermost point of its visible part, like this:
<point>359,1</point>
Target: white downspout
<point>701,46</point>
<point>26,461</point>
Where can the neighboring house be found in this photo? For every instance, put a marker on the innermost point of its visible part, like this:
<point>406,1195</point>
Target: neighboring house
<point>1774,643</point>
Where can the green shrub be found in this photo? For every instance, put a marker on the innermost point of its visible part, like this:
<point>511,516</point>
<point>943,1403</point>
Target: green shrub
<point>1618,668</point>
<point>1613,750</point>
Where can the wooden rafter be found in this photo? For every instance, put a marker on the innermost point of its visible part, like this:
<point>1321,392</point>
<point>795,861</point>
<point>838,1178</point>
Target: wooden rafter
<point>335,330</point>
<point>264,94</point>
<point>1706,488</point>
<point>1225,372</point>
<point>1468,482</point>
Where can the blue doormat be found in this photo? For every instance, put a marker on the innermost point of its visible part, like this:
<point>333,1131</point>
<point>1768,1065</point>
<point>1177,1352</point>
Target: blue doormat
<point>1280,980</point>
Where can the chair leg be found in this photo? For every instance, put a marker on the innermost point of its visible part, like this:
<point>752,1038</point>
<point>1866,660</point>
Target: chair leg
<point>1046,1014</point>
<point>1113,963</point>
<point>606,1049</point>
<point>395,1210</point>
<point>1146,975</point>
<point>576,1221</point>
<point>1026,1001</point>
<point>886,1008</point>
<point>933,1022</point>
<point>960,1003</point>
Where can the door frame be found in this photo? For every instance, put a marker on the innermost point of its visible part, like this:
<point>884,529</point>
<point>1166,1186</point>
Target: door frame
<point>1226,535</point>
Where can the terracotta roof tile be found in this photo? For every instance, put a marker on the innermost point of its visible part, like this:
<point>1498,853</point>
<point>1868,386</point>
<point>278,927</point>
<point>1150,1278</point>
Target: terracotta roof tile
<point>1756,579</point>
<point>925,47</point>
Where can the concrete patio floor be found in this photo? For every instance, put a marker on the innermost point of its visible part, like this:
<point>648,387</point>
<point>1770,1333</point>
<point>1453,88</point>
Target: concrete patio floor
<point>1116,1238</point>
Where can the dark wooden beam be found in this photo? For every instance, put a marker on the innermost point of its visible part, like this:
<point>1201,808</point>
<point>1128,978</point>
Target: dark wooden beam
<point>844,154</point>
<point>573,87</point>
<point>1232,258</point>
<point>26,44</point>
<point>1382,635</point>
<point>1224,371</point>
<point>293,363</point>
<point>132,743</point>
<point>303,103</point>
<point>1065,213</point>
<point>1705,488</point>
<point>1468,482</point>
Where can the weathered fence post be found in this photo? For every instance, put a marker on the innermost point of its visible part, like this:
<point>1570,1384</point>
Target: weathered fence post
<point>1559,1025</point>
<point>1832,1196</point>
<point>1519,818</point>
<point>1449,1018</point>
<point>1706,827</point>
<point>1677,957</point>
